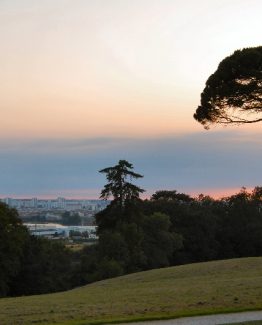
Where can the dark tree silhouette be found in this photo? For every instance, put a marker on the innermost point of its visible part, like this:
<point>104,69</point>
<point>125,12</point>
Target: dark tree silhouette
<point>171,196</point>
<point>118,185</point>
<point>233,94</point>
<point>13,237</point>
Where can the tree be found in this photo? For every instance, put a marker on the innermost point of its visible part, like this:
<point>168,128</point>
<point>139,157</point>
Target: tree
<point>233,94</point>
<point>69,219</point>
<point>118,186</point>
<point>171,196</point>
<point>46,267</point>
<point>241,232</point>
<point>13,236</point>
<point>159,243</point>
<point>257,193</point>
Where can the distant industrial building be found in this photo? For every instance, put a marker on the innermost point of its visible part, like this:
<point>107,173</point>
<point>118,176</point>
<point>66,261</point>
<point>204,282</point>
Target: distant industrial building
<point>57,230</point>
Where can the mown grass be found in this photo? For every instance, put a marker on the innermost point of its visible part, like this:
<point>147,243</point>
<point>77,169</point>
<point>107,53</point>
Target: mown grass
<point>195,289</point>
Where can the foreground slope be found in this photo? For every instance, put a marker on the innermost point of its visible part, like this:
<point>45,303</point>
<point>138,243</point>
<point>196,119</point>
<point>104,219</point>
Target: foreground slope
<point>219,286</point>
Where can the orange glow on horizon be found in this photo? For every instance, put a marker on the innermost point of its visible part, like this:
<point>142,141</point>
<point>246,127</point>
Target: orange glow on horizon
<point>216,193</point>
<point>93,194</point>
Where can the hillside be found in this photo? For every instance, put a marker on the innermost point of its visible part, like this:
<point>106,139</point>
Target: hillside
<point>219,286</point>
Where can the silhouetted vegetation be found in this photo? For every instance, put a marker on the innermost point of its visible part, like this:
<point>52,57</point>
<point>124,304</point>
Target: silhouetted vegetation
<point>172,228</point>
<point>232,94</point>
<point>169,229</point>
<point>214,229</point>
<point>13,236</point>
<point>46,266</point>
<point>29,264</point>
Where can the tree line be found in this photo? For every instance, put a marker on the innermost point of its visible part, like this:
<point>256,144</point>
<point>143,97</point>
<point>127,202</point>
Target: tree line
<point>168,229</point>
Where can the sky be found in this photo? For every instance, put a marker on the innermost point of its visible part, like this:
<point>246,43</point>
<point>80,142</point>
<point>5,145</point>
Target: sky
<point>86,83</point>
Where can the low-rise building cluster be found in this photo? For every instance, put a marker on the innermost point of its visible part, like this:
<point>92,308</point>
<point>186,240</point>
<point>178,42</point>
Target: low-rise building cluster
<point>60,204</point>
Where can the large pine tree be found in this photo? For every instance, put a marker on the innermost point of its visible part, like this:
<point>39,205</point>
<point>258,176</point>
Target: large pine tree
<point>118,185</point>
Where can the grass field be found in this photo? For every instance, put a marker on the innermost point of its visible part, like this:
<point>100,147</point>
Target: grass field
<point>203,288</point>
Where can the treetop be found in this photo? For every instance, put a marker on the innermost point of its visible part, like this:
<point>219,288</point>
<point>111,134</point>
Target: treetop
<point>233,94</point>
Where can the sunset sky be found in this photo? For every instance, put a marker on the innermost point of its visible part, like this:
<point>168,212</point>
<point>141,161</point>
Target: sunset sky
<point>85,83</point>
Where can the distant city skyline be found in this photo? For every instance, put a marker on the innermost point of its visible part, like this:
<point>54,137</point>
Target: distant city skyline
<point>58,203</point>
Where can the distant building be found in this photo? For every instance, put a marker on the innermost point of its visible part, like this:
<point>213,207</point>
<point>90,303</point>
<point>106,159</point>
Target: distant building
<point>52,230</point>
<point>47,230</point>
<point>60,204</point>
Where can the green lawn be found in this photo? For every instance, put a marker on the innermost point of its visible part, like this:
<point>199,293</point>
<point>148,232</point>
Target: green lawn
<point>203,288</point>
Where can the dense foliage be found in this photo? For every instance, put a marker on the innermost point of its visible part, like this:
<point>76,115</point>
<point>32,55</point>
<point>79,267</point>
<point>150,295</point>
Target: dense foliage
<point>233,94</point>
<point>30,265</point>
<point>134,235</point>
<point>129,240</point>
<point>214,229</point>
<point>172,228</point>
<point>13,236</point>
